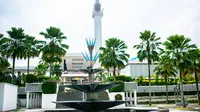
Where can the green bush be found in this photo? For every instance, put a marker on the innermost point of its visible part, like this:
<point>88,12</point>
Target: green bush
<point>119,88</point>
<point>31,78</point>
<point>120,78</point>
<point>124,78</point>
<point>128,79</point>
<point>43,78</point>
<point>111,78</point>
<point>49,87</point>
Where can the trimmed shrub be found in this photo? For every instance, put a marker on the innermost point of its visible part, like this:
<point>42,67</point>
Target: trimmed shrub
<point>128,79</point>
<point>124,78</point>
<point>119,88</point>
<point>120,78</point>
<point>31,78</point>
<point>111,78</point>
<point>43,78</point>
<point>49,87</point>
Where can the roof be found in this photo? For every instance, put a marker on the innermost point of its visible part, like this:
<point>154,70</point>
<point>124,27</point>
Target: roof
<point>135,60</point>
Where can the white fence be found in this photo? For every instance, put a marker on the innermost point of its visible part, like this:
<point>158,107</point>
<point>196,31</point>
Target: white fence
<point>34,100</point>
<point>145,89</point>
<point>33,95</point>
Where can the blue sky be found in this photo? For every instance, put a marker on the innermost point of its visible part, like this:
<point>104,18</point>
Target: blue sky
<point>122,18</point>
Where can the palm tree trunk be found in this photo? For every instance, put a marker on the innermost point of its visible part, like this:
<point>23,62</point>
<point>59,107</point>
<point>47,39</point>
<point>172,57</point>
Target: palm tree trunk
<point>157,78</point>
<point>196,80</point>
<point>166,84</point>
<point>114,72</point>
<point>149,83</point>
<point>182,92</point>
<point>13,69</point>
<point>28,65</point>
<point>118,71</point>
<point>108,71</point>
<point>50,70</point>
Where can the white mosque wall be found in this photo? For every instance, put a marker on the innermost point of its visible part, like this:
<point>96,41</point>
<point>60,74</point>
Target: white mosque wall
<point>140,69</point>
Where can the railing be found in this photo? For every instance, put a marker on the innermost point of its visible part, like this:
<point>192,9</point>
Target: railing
<point>178,94</point>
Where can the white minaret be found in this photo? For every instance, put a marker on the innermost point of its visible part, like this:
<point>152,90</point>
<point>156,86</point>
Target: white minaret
<point>97,15</point>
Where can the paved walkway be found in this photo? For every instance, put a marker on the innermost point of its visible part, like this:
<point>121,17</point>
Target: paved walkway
<point>172,107</point>
<point>195,107</point>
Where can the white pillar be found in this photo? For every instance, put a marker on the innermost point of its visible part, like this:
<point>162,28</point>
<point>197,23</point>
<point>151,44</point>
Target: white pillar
<point>64,80</point>
<point>33,100</point>
<point>27,99</point>
<point>126,93</point>
<point>36,99</point>
<point>135,98</point>
<point>30,101</point>
<point>131,98</point>
<point>126,97</point>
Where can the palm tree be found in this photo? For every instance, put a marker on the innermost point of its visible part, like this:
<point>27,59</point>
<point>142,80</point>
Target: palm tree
<point>53,49</point>
<point>194,57</point>
<point>15,46</point>
<point>41,69</point>
<point>104,58</point>
<point>177,46</point>
<point>33,49</point>
<point>4,64</point>
<point>148,50</point>
<point>114,54</point>
<point>165,68</point>
<point>5,75</point>
<point>57,70</point>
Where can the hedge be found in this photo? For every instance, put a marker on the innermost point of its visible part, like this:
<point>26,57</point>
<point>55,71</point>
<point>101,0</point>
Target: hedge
<point>119,88</point>
<point>43,78</point>
<point>31,78</point>
<point>124,78</point>
<point>49,87</point>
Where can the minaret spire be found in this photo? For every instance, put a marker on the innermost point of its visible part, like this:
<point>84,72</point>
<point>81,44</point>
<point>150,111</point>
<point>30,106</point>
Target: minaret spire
<point>97,15</point>
<point>97,1</point>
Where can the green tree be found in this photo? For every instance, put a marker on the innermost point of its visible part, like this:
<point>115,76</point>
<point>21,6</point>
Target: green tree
<point>57,70</point>
<point>33,49</point>
<point>4,64</point>
<point>194,57</point>
<point>177,47</point>
<point>15,46</point>
<point>148,50</point>
<point>41,69</point>
<point>5,75</point>
<point>53,48</point>
<point>114,54</point>
<point>165,68</point>
<point>105,59</point>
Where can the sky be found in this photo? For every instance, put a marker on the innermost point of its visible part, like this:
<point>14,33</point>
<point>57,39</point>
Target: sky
<point>122,18</point>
